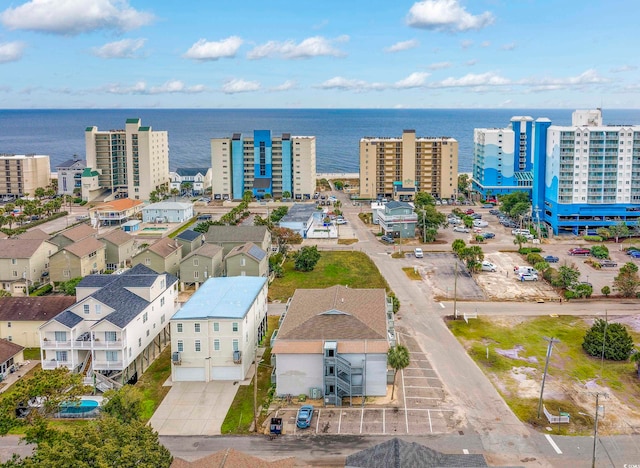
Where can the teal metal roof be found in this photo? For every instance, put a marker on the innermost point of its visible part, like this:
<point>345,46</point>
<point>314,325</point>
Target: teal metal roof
<point>230,297</point>
<point>133,121</point>
<point>528,176</point>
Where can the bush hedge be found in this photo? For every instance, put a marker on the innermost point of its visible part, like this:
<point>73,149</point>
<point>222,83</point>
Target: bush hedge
<point>47,288</point>
<point>528,250</point>
<point>593,238</point>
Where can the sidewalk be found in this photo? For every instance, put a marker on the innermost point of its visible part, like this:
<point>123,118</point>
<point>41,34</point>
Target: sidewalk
<point>13,377</point>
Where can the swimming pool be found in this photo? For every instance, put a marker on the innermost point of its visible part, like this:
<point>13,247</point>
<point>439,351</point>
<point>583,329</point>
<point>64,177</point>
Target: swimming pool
<point>78,407</point>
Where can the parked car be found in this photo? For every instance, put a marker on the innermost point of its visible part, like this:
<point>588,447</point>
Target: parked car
<point>460,229</point>
<point>305,415</point>
<point>476,216</point>
<point>635,254</point>
<point>488,266</point>
<point>418,252</point>
<point>551,259</point>
<point>469,212</point>
<point>528,277</point>
<point>580,251</point>
<point>341,221</point>
<point>630,251</point>
<point>479,223</point>
<point>387,239</point>
<point>608,263</point>
<point>494,212</point>
<point>488,235</point>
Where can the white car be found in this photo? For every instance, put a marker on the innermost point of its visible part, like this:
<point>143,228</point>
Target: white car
<point>341,221</point>
<point>488,266</point>
<point>528,277</point>
<point>418,252</point>
<point>479,223</point>
<point>460,229</point>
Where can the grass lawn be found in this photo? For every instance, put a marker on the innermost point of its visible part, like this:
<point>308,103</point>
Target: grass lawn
<point>353,269</point>
<point>150,383</point>
<point>32,354</point>
<point>569,364</point>
<point>240,415</point>
<point>412,274</point>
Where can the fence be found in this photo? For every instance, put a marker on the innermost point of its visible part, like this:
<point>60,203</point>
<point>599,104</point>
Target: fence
<point>562,419</point>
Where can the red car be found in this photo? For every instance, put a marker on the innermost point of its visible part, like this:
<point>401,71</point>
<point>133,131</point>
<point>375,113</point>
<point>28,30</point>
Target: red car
<point>579,251</point>
<point>469,211</point>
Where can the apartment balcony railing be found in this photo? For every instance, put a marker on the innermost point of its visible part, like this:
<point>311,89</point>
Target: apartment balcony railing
<point>103,344</point>
<point>46,344</point>
<point>107,365</point>
<point>83,344</point>
<point>51,364</point>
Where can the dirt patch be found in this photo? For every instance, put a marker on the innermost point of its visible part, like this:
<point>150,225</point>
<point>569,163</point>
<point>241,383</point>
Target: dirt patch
<point>514,354</point>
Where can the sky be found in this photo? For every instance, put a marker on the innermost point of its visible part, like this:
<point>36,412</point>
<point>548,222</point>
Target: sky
<point>319,54</point>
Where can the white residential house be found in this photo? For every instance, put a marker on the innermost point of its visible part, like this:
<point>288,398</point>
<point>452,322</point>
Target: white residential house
<point>199,178</point>
<point>117,326</point>
<point>214,336</point>
<point>167,212</point>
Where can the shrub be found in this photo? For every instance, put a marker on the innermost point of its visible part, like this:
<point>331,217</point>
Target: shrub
<point>528,250</point>
<point>534,258</point>
<point>568,294</point>
<point>592,238</point>
<point>606,290</point>
<point>42,291</point>
<point>600,251</point>
<point>618,344</point>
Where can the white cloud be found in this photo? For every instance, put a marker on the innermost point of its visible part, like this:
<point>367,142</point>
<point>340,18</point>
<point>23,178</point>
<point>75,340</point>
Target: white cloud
<point>466,44</point>
<point>71,17</point>
<point>485,43</point>
<point>238,85</point>
<point>446,15</point>
<point>624,68</point>
<point>588,77</point>
<point>346,84</point>
<point>11,51</point>
<point>415,80</point>
<point>404,45</point>
<point>286,86</point>
<point>510,46</point>
<point>311,47</point>
<point>140,87</point>
<point>204,50</point>
<point>440,65</point>
<point>472,79</point>
<point>471,63</point>
<point>126,48</point>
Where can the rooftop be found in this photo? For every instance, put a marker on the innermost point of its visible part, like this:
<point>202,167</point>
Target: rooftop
<point>19,248</point>
<point>35,233</point>
<point>164,247</point>
<point>168,205</point>
<point>205,250</point>
<point>236,234</point>
<point>250,249</point>
<point>189,235</point>
<point>8,350</point>
<point>121,204</point>
<point>117,237</point>
<point>33,308</point>
<point>78,232</point>
<point>229,297</point>
<point>83,247</point>
<point>299,212</point>
<point>191,171</point>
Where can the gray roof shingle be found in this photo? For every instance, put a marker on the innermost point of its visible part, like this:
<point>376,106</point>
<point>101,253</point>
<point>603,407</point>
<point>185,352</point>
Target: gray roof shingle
<point>68,318</point>
<point>191,171</point>
<point>33,308</point>
<point>237,234</point>
<point>189,235</point>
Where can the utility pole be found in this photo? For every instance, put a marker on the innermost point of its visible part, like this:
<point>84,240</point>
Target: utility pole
<point>546,367</point>
<point>595,430</point>
<point>455,292</point>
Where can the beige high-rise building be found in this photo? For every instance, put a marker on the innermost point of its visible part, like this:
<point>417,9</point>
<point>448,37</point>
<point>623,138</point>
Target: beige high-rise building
<point>264,165</point>
<point>23,173</point>
<point>132,162</point>
<point>397,168</point>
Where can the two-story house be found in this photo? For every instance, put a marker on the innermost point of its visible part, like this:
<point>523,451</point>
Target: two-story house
<point>163,255</point>
<point>115,212</point>
<point>247,260</point>
<point>190,240</point>
<point>119,248</point>
<point>203,263</point>
<point>70,176</point>
<point>214,336</point>
<point>21,317</point>
<point>74,234</point>
<point>117,325</point>
<point>82,258</point>
<point>24,262</point>
<point>336,341</point>
<point>397,219</point>
<point>232,236</point>
<point>191,180</point>
<point>167,212</point>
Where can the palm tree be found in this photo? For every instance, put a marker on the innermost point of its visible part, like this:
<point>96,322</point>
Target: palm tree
<point>519,239</point>
<point>175,192</point>
<point>635,358</point>
<point>397,358</point>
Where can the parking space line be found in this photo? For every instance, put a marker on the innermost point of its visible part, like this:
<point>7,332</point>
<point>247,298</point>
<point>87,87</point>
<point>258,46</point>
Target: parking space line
<point>318,421</point>
<point>340,422</point>
<point>404,396</point>
<point>432,409</point>
<point>384,426</point>
<point>465,451</point>
<point>430,426</point>
<point>418,368</point>
<point>361,419</point>
<point>553,444</point>
<point>442,305</point>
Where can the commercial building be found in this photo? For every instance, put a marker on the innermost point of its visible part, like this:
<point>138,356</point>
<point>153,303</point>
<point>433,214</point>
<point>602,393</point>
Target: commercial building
<point>398,168</point>
<point>132,162</point>
<point>23,173</point>
<point>265,165</point>
<point>332,344</point>
<point>586,175</point>
<point>503,158</point>
<point>214,336</point>
<point>70,176</point>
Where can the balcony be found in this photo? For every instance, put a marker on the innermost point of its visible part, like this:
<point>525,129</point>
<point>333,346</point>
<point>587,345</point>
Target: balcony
<point>46,344</point>
<point>51,364</point>
<point>107,365</point>
<point>102,344</point>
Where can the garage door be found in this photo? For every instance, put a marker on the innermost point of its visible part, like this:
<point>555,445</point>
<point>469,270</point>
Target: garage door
<point>189,374</point>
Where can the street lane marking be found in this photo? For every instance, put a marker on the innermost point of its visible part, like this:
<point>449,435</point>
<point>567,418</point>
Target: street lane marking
<point>553,444</point>
<point>361,420</point>
<point>430,426</point>
<point>340,422</point>
<point>442,305</point>
<point>465,451</point>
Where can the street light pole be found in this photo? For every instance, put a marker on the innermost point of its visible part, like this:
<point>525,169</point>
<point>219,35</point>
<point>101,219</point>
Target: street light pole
<point>455,292</point>
<point>546,367</point>
<point>595,434</point>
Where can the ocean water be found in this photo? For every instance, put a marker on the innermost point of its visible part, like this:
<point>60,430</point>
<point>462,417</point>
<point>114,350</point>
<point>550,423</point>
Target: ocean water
<point>60,133</point>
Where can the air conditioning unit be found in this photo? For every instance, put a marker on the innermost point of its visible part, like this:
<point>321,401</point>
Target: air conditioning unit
<point>176,358</point>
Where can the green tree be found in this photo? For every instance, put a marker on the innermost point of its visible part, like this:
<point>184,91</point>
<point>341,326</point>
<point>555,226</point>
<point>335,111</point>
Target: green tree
<point>69,287</point>
<point>286,194</point>
<point>606,290</point>
<point>463,183</point>
<point>519,209</point>
<point>397,359</point>
<point>338,184</point>
<point>473,257</point>
<point>618,344</point>
<point>567,276</point>
<point>306,258</point>
<point>635,358</point>
<point>627,281</point>
<point>619,230</point>
<point>510,200</point>
<point>285,237</point>
<point>600,251</point>
<point>247,196</point>
<point>581,290</point>
<point>422,199</point>
<point>479,238</point>
<point>519,239</point>
<point>124,404</point>
<point>541,266</point>
<point>603,232</point>
<point>457,246</point>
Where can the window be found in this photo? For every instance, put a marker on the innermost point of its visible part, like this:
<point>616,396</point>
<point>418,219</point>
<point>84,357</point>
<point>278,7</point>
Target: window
<point>162,318</point>
<point>197,346</point>
<point>139,342</point>
<point>196,327</point>
<point>65,273</point>
<point>13,261</point>
<point>86,308</point>
<point>179,326</point>
<point>161,301</point>
<point>10,338</point>
<point>180,346</point>
<point>235,326</point>
<point>196,274</point>
<point>98,309</point>
<point>216,345</point>
<point>129,351</point>
<point>110,336</point>
<point>147,332</point>
<point>112,356</point>
<point>14,273</point>
<point>216,326</point>
<point>162,284</point>
<point>61,356</point>
<point>145,317</point>
<point>196,262</point>
<point>243,262</point>
<point>235,345</point>
<point>147,261</point>
<point>60,336</point>
<point>8,324</point>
